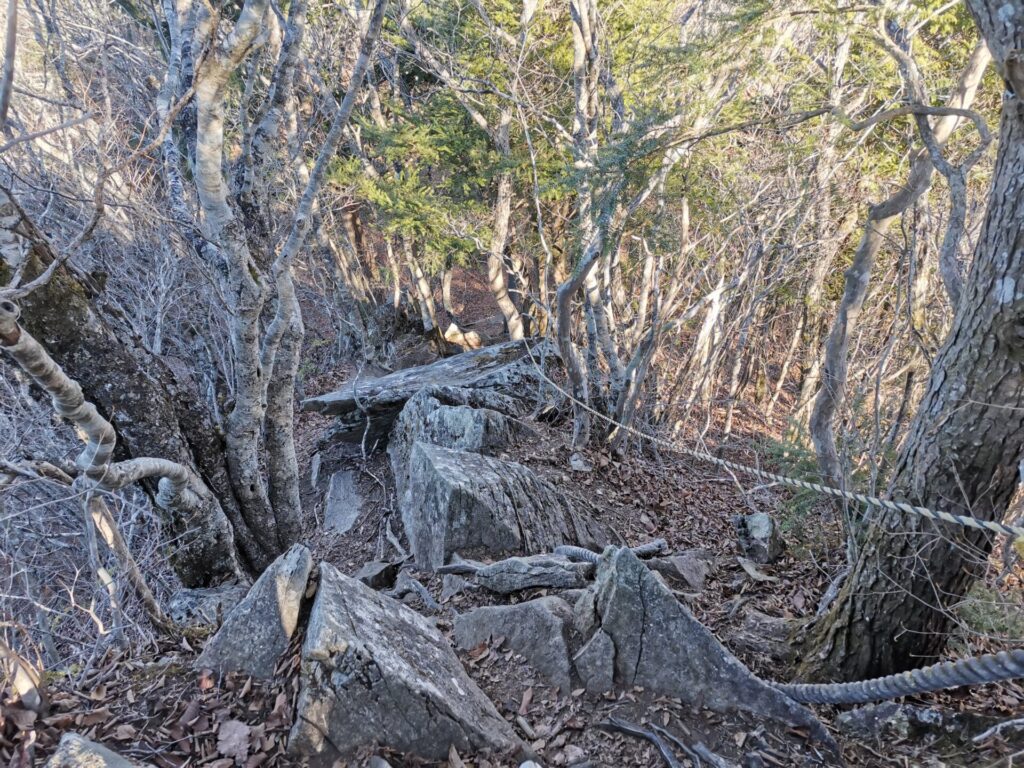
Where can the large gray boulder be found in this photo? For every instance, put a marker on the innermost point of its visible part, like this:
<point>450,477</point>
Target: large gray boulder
<point>464,502</point>
<point>514,574</point>
<point>660,645</point>
<point>259,628</point>
<point>377,673</point>
<point>538,629</point>
<point>438,418</point>
<point>77,752</point>
<point>367,408</point>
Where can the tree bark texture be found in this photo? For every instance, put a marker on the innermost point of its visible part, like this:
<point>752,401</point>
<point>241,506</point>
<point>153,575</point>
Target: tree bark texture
<point>154,412</point>
<point>964,445</point>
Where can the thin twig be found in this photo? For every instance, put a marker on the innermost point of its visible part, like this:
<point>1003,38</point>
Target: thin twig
<point>632,729</point>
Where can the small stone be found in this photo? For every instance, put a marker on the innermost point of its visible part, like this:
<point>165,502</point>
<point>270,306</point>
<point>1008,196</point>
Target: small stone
<point>464,339</point>
<point>452,585</point>
<point>410,591</point>
<point>759,537</point>
<point>579,463</point>
<point>574,754</point>
<point>693,566</point>
<point>314,469</point>
<point>77,752</point>
<point>343,502</point>
<point>378,574</point>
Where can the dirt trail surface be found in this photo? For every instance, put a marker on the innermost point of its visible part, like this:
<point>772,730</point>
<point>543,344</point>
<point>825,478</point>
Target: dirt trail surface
<point>158,708</point>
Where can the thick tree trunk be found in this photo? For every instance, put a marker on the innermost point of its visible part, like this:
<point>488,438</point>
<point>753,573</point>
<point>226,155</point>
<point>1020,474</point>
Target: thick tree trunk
<point>154,412</point>
<point>961,454</point>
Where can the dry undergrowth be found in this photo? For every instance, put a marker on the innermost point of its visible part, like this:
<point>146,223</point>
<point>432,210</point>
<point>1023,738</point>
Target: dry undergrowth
<point>153,706</point>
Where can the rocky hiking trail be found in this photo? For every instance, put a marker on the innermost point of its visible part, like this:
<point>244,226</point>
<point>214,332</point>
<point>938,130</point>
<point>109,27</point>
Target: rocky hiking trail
<point>428,619</point>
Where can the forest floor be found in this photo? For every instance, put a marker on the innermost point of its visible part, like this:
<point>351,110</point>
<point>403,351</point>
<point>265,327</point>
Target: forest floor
<point>154,706</point>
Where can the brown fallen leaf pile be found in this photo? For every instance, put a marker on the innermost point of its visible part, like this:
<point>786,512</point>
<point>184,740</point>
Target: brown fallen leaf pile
<point>160,710</point>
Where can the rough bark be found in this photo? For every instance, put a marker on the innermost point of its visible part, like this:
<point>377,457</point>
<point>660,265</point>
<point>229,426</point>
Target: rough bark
<point>259,442</point>
<point>153,412</point>
<point>965,443</point>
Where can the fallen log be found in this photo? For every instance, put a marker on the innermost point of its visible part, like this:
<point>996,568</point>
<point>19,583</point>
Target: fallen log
<point>500,377</point>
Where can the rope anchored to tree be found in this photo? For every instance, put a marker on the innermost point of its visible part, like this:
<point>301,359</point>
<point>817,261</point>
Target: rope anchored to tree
<point>1004,529</point>
<point>977,670</point>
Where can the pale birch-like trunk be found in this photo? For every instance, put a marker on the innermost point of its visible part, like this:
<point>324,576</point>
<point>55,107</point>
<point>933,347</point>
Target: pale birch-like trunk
<point>835,366</point>
<point>264,362</point>
<point>497,277</point>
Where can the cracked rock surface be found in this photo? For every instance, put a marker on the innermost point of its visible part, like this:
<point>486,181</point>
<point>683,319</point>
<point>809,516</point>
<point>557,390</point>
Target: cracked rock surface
<point>259,628</point>
<point>472,504</point>
<point>449,418</point>
<point>376,673</point>
<point>659,645</point>
<point>367,408</point>
<point>538,629</point>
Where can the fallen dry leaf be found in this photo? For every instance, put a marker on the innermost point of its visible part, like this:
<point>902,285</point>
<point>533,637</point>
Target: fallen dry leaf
<point>206,680</point>
<point>524,706</point>
<point>95,717</point>
<point>233,740</point>
<point>752,571</point>
<point>124,732</point>
<point>454,761</point>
